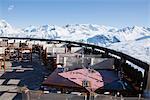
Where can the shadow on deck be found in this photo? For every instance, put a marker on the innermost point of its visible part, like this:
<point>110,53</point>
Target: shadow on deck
<point>24,73</point>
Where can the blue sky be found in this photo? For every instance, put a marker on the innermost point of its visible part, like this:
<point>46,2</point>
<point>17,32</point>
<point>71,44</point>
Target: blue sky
<point>117,13</point>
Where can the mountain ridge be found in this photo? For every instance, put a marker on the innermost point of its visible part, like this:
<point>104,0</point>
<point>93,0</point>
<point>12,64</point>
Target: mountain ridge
<point>75,32</point>
<point>134,40</point>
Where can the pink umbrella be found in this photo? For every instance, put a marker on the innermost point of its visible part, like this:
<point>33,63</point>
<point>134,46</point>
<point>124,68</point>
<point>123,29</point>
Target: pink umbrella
<point>81,76</point>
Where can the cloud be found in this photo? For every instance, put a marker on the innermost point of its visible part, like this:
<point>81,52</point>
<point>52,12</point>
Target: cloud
<point>11,7</point>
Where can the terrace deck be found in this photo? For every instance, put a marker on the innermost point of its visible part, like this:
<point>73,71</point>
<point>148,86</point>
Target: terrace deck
<point>32,74</point>
<point>25,73</point>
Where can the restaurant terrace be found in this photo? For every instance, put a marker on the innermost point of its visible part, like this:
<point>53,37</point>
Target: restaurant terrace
<point>44,69</point>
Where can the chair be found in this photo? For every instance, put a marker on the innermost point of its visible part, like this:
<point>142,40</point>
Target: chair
<point>26,50</point>
<point>60,45</point>
<point>3,43</point>
<point>76,50</point>
<point>62,59</point>
<point>2,57</point>
<point>16,45</point>
<point>11,41</point>
<point>12,50</point>
<point>102,63</point>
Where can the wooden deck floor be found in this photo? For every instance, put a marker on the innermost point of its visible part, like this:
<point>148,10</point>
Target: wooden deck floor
<point>25,73</point>
<point>31,75</point>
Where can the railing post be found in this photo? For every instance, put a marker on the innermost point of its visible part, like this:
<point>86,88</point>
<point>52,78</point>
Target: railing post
<point>147,83</point>
<point>120,73</point>
<point>93,49</point>
<point>65,61</point>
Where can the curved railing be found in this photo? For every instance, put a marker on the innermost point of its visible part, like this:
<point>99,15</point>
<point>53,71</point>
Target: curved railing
<point>106,51</point>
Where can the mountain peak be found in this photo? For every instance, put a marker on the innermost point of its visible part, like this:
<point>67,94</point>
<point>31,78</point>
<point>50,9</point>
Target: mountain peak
<point>4,24</point>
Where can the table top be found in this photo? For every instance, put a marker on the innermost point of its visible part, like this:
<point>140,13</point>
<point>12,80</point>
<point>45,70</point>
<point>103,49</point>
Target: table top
<point>73,79</point>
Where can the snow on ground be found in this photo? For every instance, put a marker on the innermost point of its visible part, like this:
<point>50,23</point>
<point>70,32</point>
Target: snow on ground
<point>139,49</point>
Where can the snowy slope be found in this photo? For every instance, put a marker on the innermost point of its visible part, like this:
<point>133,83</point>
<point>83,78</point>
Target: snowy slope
<point>7,30</point>
<point>103,40</point>
<point>130,40</point>
<point>132,33</point>
<point>139,49</point>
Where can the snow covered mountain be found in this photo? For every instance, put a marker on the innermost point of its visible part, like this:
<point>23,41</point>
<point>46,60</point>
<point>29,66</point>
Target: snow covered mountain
<point>78,32</point>
<point>7,30</point>
<point>129,40</point>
